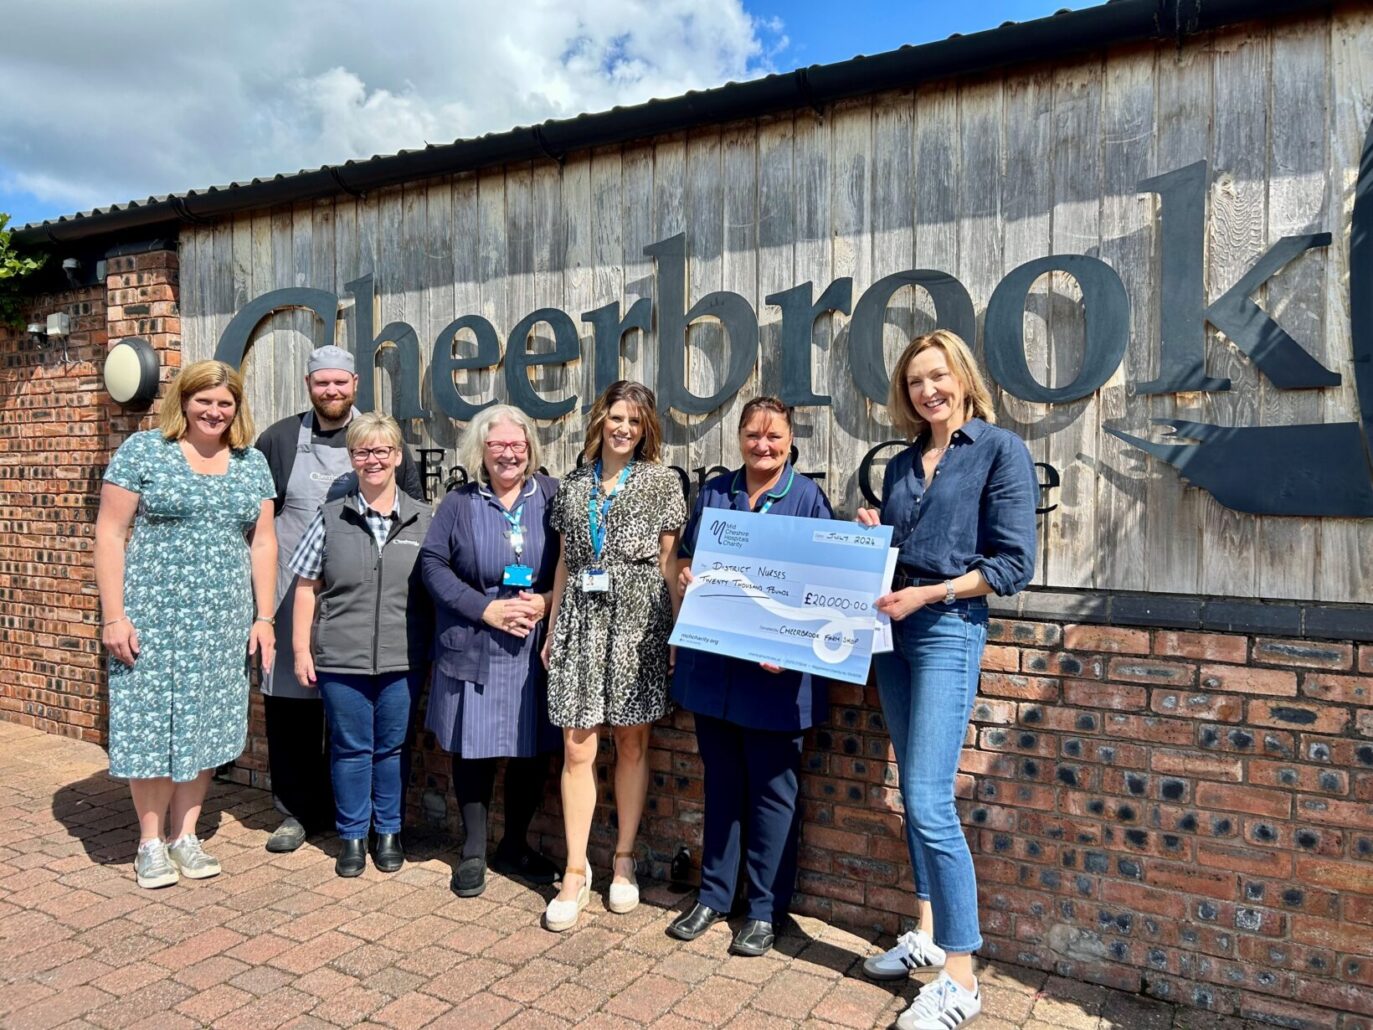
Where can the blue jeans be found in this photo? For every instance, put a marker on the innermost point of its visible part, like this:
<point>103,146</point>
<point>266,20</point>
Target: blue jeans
<point>927,686</point>
<point>370,721</point>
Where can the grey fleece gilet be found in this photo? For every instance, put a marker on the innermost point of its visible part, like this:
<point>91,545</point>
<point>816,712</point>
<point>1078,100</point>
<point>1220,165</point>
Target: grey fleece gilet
<point>375,615</point>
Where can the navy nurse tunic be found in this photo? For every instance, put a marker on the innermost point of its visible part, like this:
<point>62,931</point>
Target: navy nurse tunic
<point>749,726</point>
<point>489,697</point>
<point>730,689</point>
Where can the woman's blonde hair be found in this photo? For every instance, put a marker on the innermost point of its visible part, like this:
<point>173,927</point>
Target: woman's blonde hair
<point>977,399</point>
<point>641,398</point>
<point>472,446</point>
<point>194,378</point>
<point>373,425</point>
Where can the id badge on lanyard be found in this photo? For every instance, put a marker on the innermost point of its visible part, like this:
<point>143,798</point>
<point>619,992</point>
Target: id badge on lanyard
<point>596,580</point>
<point>517,574</point>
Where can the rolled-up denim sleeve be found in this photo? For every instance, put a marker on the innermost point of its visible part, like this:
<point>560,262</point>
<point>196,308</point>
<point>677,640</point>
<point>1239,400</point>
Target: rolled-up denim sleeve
<point>1009,538</point>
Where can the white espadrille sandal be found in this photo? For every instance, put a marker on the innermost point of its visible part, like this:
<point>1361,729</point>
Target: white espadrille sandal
<point>562,915</point>
<point>624,897</point>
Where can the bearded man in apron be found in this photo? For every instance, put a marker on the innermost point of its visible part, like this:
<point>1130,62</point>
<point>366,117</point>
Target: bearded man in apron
<point>310,465</point>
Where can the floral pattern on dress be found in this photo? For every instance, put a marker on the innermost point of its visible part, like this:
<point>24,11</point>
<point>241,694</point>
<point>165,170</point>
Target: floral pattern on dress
<point>608,662</point>
<point>183,705</point>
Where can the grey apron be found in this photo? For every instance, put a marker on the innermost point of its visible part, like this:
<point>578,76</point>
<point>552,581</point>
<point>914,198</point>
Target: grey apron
<point>318,475</point>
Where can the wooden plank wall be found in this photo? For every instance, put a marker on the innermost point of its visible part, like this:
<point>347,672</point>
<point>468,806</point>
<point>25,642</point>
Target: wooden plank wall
<point>972,177</point>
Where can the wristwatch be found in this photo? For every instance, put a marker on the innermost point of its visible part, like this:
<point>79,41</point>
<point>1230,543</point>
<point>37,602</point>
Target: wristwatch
<point>949,594</point>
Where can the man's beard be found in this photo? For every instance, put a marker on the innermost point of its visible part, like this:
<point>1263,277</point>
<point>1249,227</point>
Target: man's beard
<point>332,409</point>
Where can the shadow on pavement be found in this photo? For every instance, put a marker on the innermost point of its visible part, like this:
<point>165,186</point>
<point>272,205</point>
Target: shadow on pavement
<point>98,812</point>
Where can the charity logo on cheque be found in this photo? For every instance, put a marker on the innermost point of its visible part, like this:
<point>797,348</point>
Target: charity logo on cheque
<point>727,535</point>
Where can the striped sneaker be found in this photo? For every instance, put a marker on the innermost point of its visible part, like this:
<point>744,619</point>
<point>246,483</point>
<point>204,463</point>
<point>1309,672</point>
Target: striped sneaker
<point>914,950</point>
<point>190,858</point>
<point>942,1004</point>
<point>151,867</point>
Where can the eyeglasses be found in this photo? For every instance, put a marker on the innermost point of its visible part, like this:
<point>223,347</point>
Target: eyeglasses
<point>513,446</point>
<point>367,453</point>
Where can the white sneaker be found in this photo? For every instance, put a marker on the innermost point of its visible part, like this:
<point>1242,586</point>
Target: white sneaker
<point>151,866</point>
<point>190,858</point>
<point>942,1004</point>
<point>914,949</point>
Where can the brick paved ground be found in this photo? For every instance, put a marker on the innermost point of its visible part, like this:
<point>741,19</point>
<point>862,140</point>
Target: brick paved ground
<point>280,941</point>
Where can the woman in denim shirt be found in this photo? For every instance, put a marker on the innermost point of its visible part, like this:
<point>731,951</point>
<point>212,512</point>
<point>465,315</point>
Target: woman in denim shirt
<point>961,503</point>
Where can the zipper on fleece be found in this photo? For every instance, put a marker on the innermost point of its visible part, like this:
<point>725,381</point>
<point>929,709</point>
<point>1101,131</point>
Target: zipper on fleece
<point>376,607</point>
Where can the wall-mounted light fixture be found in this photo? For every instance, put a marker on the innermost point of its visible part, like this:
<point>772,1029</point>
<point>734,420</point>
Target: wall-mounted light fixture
<point>131,372</point>
<point>38,335</point>
<point>59,328</point>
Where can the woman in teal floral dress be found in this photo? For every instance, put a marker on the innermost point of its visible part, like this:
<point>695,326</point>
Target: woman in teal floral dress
<point>185,603</point>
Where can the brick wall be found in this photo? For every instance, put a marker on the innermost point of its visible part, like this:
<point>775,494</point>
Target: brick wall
<point>58,429</point>
<point>1186,814</point>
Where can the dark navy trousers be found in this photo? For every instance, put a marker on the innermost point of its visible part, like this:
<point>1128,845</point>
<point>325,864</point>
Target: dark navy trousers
<point>751,785</point>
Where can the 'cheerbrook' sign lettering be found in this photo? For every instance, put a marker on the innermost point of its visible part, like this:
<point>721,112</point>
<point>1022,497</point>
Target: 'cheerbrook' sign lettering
<point>1320,470</point>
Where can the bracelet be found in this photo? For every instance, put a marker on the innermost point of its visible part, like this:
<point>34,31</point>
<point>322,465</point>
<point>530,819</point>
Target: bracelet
<point>113,621</point>
<point>271,621</point>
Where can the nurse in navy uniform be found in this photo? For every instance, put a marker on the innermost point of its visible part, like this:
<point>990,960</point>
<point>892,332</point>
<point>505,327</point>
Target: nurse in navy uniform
<point>750,718</point>
<point>489,562</point>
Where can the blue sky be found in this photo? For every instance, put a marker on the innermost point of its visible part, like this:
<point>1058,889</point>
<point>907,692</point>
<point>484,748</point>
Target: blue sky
<point>872,26</point>
<point>232,89</point>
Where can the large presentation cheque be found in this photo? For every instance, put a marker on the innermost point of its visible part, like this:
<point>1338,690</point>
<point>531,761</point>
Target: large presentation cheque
<point>795,592</point>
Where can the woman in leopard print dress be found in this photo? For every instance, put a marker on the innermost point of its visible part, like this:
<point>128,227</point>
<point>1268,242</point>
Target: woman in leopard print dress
<point>619,516</point>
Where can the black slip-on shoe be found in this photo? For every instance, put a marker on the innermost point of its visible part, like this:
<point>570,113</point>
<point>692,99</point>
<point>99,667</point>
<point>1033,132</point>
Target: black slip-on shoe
<point>527,865</point>
<point>352,860</point>
<point>754,938</point>
<point>469,879</point>
<point>690,925</point>
<point>287,837</point>
<point>387,854</point>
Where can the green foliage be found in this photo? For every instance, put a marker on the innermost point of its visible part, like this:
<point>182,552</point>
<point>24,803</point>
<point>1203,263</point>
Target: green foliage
<point>13,267</point>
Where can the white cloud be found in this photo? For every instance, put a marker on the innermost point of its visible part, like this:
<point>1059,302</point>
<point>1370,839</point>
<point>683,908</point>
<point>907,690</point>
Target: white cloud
<point>122,101</point>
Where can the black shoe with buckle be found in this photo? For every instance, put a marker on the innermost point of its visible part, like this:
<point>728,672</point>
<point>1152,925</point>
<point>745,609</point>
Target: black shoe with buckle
<point>352,859</point>
<point>524,864</point>
<point>690,925</point>
<point>387,853</point>
<point>754,938</point>
<point>469,879</point>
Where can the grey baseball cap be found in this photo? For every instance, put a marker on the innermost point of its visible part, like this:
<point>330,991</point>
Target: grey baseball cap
<point>330,357</point>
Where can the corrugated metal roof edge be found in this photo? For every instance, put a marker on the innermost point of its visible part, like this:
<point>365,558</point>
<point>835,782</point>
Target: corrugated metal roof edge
<point>1061,34</point>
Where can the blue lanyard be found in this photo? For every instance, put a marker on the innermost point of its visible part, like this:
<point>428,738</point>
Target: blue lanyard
<point>774,497</point>
<point>596,515</point>
<point>516,521</point>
